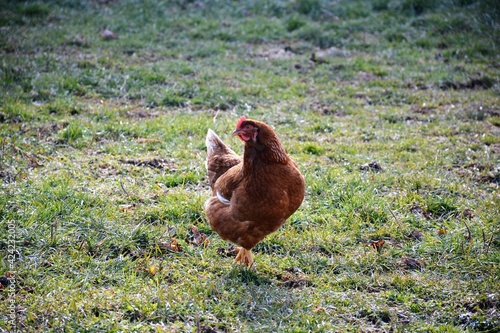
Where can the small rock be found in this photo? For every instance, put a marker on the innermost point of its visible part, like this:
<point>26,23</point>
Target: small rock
<point>107,34</point>
<point>373,165</point>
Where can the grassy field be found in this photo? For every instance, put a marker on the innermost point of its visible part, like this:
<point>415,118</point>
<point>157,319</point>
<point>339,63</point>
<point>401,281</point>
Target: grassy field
<point>390,108</point>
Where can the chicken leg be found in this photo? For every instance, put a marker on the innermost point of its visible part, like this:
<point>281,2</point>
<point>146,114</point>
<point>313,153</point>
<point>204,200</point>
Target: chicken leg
<point>244,257</point>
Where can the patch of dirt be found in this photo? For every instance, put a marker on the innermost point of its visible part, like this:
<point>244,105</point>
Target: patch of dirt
<point>487,302</point>
<point>366,76</point>
<point>47,130</point>
<point>495,148</point>
<point>294,277</point>
<point>155,163</point>
<point>133,315</point>
<point>376,318</point>
<point>142,113</point>
<point>206,329</point>
<point>418,86</point>
<point>480,83</point>
<point>323,56</point>
<point>475,111</point>
<point>416,235</point>
<point>11,119</point>
<point>422,109</point>
<point>363,96</point>
<point>412,263</point>
<point>492,178</point>
<point>275,53</point>
<point>481,173</point>
<point>324,250</point>
<point>416,209</point>
<point>326,109</point>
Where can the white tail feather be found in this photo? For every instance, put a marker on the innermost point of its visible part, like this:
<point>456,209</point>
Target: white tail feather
<point>213,142</point>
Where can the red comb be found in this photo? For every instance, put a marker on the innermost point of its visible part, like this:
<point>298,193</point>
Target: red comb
<point>242,119</point>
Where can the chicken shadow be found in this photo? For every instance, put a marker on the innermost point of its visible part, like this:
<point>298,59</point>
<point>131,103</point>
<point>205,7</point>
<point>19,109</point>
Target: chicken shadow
<point>248,276</point>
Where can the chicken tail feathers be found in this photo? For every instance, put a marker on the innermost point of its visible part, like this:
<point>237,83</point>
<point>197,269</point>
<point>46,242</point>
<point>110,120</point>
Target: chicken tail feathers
<point>214,143</point>
<point>220,157</point>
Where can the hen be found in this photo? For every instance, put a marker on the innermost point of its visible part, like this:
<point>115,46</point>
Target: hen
<point>253,195</point>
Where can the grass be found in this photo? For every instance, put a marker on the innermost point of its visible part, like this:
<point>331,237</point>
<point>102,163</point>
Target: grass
<point>102,164</point>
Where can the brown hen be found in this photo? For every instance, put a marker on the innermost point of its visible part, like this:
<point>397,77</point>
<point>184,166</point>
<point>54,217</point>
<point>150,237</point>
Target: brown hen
<point>253,195</point>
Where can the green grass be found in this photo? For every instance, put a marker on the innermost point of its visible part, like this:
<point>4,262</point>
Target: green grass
<point>102,164</point>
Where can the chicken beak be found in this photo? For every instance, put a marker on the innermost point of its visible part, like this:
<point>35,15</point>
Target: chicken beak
<point>237,132</point>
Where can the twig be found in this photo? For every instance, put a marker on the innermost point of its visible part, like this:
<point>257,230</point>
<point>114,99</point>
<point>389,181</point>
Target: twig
<point>3,147</point>
<point>469,236</point>
<point>124,84</point>
<point>198,323</point>
<point>489,244</point>
<point>123,188</point>
<point>19,150</point>
<point>469,239</point>
<point>397,220</point>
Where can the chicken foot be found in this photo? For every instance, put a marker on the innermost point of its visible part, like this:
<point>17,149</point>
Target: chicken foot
<point>244,257</point>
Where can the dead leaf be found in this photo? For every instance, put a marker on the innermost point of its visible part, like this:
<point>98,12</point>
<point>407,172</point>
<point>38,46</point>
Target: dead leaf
<point>107,34</point>
<point>442,231</point>
<point>33,163</point>
<point>231,252</point>
<point>197,238</point>
<point>152,269</point>
<point>318,309</point>
<point>468,213</point>
<point>147,140</point>
<point>172,246</point>
<point>377,245</point>
<point>127,207</point>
